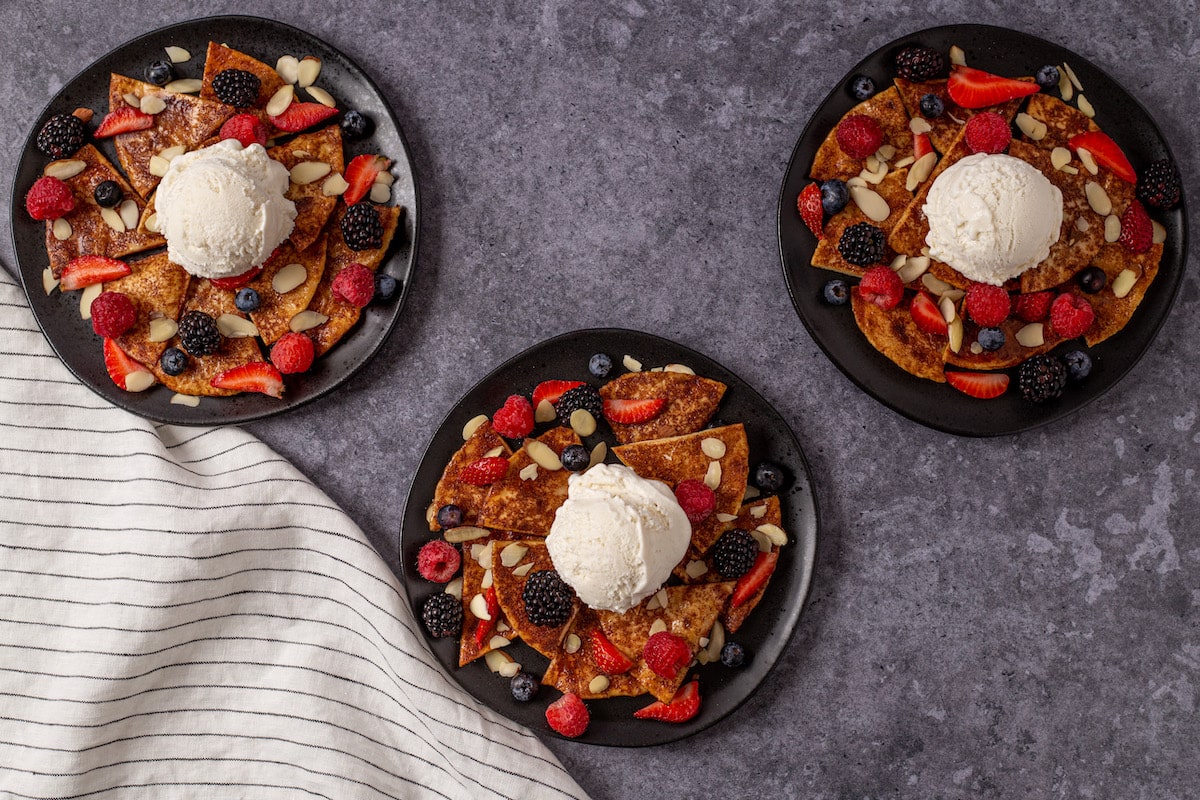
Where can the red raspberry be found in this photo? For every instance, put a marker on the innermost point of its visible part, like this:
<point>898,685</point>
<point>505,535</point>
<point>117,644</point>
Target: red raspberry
<point>1033,307</point>
<point>484,471</point>
<point>355,285</point>
<point>696,499</point>
<point>859,135</point>
<point>293,352</point>
<point>515,418</point>
<point>988,132</point>
<point>113,313</point>
<point>1071,315</point>
<point>246,128</point>
<point>49,198</point>
<point>986,304</point>
<point>881,286</point>
<point>438,561</point>
<point>665,654</point>
<point>568,715</point>
<point>1137,231</point>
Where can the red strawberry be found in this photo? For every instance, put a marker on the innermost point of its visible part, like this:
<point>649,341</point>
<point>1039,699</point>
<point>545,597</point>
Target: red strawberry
<point>683,706</point>
<point>1137,231</point>
<point>981,385</point>
<point>921,146</point>
<point>256,376</point>
<point>237,281</point>
<point>299,116</point>
<point>809,206</point>
<point>119,365</point>
<point>113,313</point>
<point>49,198</point>
<point>438,560</point>
<point>631,412</point>
<point>568,715</point>
<point>696,500</point>
<point>552,390</point>
<point>484,627</point>
<point>749,584</point>
<point>360,174</point>
<point>515,419</point>
<point>927,315</point>
<point>987,132</point>
<point>974,88</point>
<point>246,128</point>
<point>665,654</point>
<point>87,270</point>
<point>1033,307</point>
<point>859,135</point>
<point>881,286</point>
<point>1106,153</point>
<point>606,656</point>
<point>1071,315</point>
<point>124,119</point>
<point>484,471</point>
<point>986,304</point>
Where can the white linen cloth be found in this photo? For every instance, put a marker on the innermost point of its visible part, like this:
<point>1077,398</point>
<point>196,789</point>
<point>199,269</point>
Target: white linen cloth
<point>184,615</point>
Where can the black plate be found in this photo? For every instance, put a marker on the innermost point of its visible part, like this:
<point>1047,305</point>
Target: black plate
<point>767,631</point>
<point>940,406</point>
<point>58,314</point>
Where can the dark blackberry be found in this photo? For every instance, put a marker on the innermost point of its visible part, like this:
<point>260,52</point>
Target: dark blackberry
<point>600,364</point>
<point>862,244</point>
<point>361,227</point>
<point>768,476</point>
<point>734,553</point>
<point>919,64</point>
<point>1047,76</point>
<point>836,292</point>
<point>862,87</point>
<point>159,73</point>
<point>932,106</point>
<point>585,397</point>
<point>1042,378</point>
<point>834,196</point>
<point>733,655</point>
<point>450,516</point>
<point>990,339</point>
<point>247,300</point>
<point>442,615</point>
<point>1091,279</point>
<point>547,599</point>
<point>1079,365</point>
<point>1158,185</point>
<point>523,687</point>
<point>173,361</point>
<point>107,194</point>
<point>385,287</point>
<point>356,125</point>
<point>575,458</point>
<point>198,333</point>
<point>236,87</point>
<point>61,136</point>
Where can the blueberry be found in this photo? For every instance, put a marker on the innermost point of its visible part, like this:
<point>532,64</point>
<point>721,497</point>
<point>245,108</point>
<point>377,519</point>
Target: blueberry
<point>834,196</point>
<point>357,125</point>
<point>733,654</point>
<point>159,73</point>
<point>247,300</point>
<point>173,361</point>
<point>600,365</point>
<point>1047,76</point>
<point>715,422</point>
<point>836,292</point>
<point>449,516</point>
<point>1092,279</point>
<point>1079,365</point>
<point>932,106</point>
<point>575,457</point>
<point>862,87</point>
<point>385,286</point>
<point>990,338</point>
<point>107,194</point>
<point>768,476</point>
<point>523,686</point>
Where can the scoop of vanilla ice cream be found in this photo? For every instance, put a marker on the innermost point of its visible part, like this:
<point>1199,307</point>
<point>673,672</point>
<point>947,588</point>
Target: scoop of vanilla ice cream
<point>222,209</point>
<point>617,537</point>
<point>992,217</point>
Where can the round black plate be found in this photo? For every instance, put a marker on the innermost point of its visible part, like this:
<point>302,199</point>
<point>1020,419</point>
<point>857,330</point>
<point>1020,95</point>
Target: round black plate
<point>940,406</point>
<point>58,314</point>
<point>766,632</point>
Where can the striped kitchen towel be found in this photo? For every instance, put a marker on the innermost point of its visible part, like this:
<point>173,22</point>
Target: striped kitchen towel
<point>184,615</point>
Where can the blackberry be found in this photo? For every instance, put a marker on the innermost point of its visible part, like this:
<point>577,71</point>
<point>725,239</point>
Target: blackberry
<point>1158,185</point>
<point>523,687</point>
<point>159,73</point>
<point>61,136</point>
<point>834,196</point>
<point>198,334</point>
<point>600,364</point>
<point>547,599</point>
<point>836,292</point>
<point>862,244</point>
<point>107,194</point>
<point>1042,378</point>
<point>236,87</point>
<point>450,516</point>
<point>585,397</point>
<point>442,615</point>
<point>733,655</point>
<point>919,64</point>
<point>385,287</point>
<point>768,476</point>
<point>932,106</point>
<point>1047,76</point>
<point>361,227</point>
<point>575,457</point>
<point>1091,279</point>
<point>356,125</point>
<point>1079,365</point>
<point>247,300</point>
<point>990,339</point>
<point>862,87</point>
<point>734,553</point>
<point>173,361</point>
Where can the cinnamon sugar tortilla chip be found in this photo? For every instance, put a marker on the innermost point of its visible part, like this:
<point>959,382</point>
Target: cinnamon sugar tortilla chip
<point>510,588</point>
<point>276,310</point>
<point>894,334</point>
<point>157,288</point>
<point>888,110</point>
<point>691,402</point>
<point>574,672</point>
<point>528,506</point>
<point>450,490</point>
<point>313,206</point>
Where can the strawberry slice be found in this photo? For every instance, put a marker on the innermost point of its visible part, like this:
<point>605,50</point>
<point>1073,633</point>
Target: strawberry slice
<point>552,390</point>
<point>631,412</point>
<point>237,281</point>
<point>1106,152</point>
<point>483,471</point>
<point>927,315</point>
<point>809,206</point>
<point>88,270</point>
<point>974,88</point>
<point>606,656</point>
<point>120,366</point>
<point>299,116</point>
<point>982,385</point>
<point>749,584</point>
<point>921,146</point>
<point>683,706</point>
<point>360,174</point>
<point>257,376</point>
<point>484,627</point>
<point>125,119</point>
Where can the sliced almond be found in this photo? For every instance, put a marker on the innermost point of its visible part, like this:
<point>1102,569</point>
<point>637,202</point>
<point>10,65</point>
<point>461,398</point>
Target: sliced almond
<point>956,334</point>
<point>190,400</point>
<point>496,642</point>
<point>1123,283</point>
<point>712,477</point>
<point>288,278</point>
<point>152,104</point>
<point>1085,106</point>
<point>494,452</point>
<point>572,643</point>
<point>385,177</point>
<point>976,348</point>
<point>723,517</point>
<point>321,96</point>
<point>599,453</point>
<point>1112,228</point>
<point>138,381</point>
<point>233,326</point>
<point>542,455</point>
<point>1098,198</point>
<point>308,171</point>
<point>1064,86</point>
<point>957,56</point>
<point>49,282</point>
<point>508,670</point>
<point>307,320</point>
<point>288,69</point>
<point>454,587</point>
<point>898,262</point>
<point>758,512</point>
<point>631,363</point>
<point>334,185</point>
<point>870,203</point>
<point>529,472</point>
<point>764,544</point>
<point>1089,163</point>
<point>308,71</point>
<point>132,100</point>
<point>914,268</point>
<point>1031,335</point>
<point>1060,157</point>
<point>876,175</point>
<point>919,125</point>
<point>177,54</point>
<point>511,555</point>
<point>1070,170</point>
<point>949,312</point>
<point>712,447</point>
<point>1082,225</point>
<point>658,626</point>
<point>473,425</point>
<point>158,166</point>
<point>1072,77</point>
<point>496,660</point>
<point>162,329</point>
<point>934,284</point>
<point>855,181</point>
<point>185,86</point>
<point>954,294</point>
<point>751,493</point>
<point>904,162</point>
<point>662,597</point>
<point>61,229</point>
<point>151,223</point>
<point>652,604</point>
<point>1034,128</point>
<point>464,533</point>
<point>280,100</point>
<point>485,582</point>
<point>774,533</point>
<point>479,607</point>
<point>128,211</point>
<point>523,570</point>
<point>695,569</point>
<point>65,169</point>
<point>886,152</point>
<point>112,219</point>
<point>544,411</point>
<point>86,297</point>
<point>582,422</point>
<point>1160,233</point>
<point>921,170</point>
<point>476,550</point>
<point>380,193</point>
<point>598,684</point>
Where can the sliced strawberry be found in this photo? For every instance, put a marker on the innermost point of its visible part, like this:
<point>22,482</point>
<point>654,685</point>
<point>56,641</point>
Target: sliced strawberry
<point>809,206</point>
<point>484,627</point>
<point>981,385</point>
<point>683,706</point>
<point>360,174</point>
<point>88,270</point>
<point>120,366</point>
<point>257,376</point>
<point>237,281</point>
<point>927,315</point>
<point>921,146</point>
<point>749,584</point>
<point>606,656</point>
<point>631,412</point>
<point>484,471</point>
<point>124,119</point>
<point>1106,152</point>
<point>299,116</point>
<point>974,88</point>
<point>552,390</point>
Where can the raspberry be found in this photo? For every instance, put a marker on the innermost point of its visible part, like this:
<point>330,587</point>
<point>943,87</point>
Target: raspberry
<point>246,128</point>
<point>1033,307</point>
<point>696,499</point>
<point>859,135</point>
<point>49,198</point>
<point>1137,232</point>
<point>988,133</point>
<point>881,286</point>
<point>515,419</point>
<point>112,314</point>
<point>568,715</point>
<point>293,353</point>
<point>1071,315</point>
<point>665,654</point>
<point>355,285</point>
<point>986,304</point>
<point>438,561</point>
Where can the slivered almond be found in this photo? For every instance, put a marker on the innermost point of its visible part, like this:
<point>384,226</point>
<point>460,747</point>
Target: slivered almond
<point>334,185</point>
<point>921,170</point>
<point>473,425</point>
<point>598,684</point>
<point>956,334</point>
<point>1064,86</point>
<point>454,587</point>
<point>919,125</point>
<point>496,660</point>
<point>935,284</point>
<point>914,268</point>
<point>151,223</point>
<point>682,369</point>
<point>464,533</point>
<point>185,86</point>
<point>758,512</point>
<point>1123,283</point>
<point>954,294</point>
<point>61,229</point>
<point>485,555</point>
<point>1032,335</point>
<point>1160,233</point>
<point>885,152</point>
<point>49,282</point>
<point>572,643</point>
<point>132,100</point>
<point>712,447</point>
<point>870,203</point>
<point>599,453</point>
<point>658,626</point>
<point>949,312</point>
<point>177,54</point>
<point>751,493</point>
<point>1070,170</point>
<point>523,570</point>
<point>158,166</point>
<point>307,320</point>
<point>855,181</point>
<point>380,193</point>
<point>190,400</point>
<point>764,543</point>
<point>86,297</point>
<point>876,175</point>
<point>112,219</point>
<point>898,262</point>
<point>128,211</point>
<point>652,604</point>
<point>485,582</point>
<point>529,472</point>
<point>631,363</point>
<point>232,326</point>
<point>308,71</point>
<point>152,104</point>
<point>722,517</point>
<point>904,162</point>
<point>288,278</point>
<point>308,171</point>
<point>1060,157</point>
<point>1098,198</point>
<point>173,151</point>
<point>716,641</point>
<point>138,381</point>
<point>774,533</point>
<point>508,670</point>
<point>695,569</point>
<point>288,69</point>
<point>542,455</point>
<point>280,100</point>
<point>712,478</point>
<point>494,452</point>
<point>1072,77</point>
<point>1112,228</point>
<point>496,642</point>
<point>582,422</point>
<point>511,555</point>
<point>957,56</point>
<point>1032,127</point>
<point>162,329</point>
<point>321,96</point>
<point>1082,225</point>
<point>1089,163</point>
<point>1085,106</point>
<point>385,177</point>
<point>662,597</point>
<point>64,169</point>
<point>544,411</point>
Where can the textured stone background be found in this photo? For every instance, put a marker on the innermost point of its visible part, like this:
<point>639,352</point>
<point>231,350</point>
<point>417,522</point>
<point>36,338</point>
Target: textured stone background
<point>1001,618</point>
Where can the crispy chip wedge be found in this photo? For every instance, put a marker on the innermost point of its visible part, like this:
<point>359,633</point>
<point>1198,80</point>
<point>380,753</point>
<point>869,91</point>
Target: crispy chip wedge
<point>894,334</point>
<point>157,288</point>
<point>574,672</point>
<point>528,506</point>
<point>450,490</point>
<point>691,403</point>
<point>510,587</point>
<point>276,310</point>
<point>313,206</point>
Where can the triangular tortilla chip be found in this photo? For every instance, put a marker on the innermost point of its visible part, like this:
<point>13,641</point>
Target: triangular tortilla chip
<point>574,672</point>
<point>157,287</point>
<point>276,310</point>
<point>1009,355</point>
<point>510,587</point>
<point>450,490</point>
<point>944,129</point>
<point>887,109</point>
<point>762,511</point>
<point>894,334</point>
<point>219,58</point>
<point>691,403</point>
<point>313,206</point>
<point>1112,312</point>
<point>909,231</point>
<point>528,506</point>
<point>894,192</point>
<point>1062,121</point>
<point>473,577</point>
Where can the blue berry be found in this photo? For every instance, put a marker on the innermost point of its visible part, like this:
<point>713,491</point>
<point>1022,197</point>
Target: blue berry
<point>768,477</point>
<point>1079,365</point>
<point>356,125</point>
<point>836,292</point>
<point>1047,77</point>
<point>733,654</point>
<point>159,73</point>
<point>247,300</point>
<point>834,196</point>
<point>932,105</point>
<point>449,516</point>
<point>385,287</point>
<point>173,361</point>
<point>523,686</point>
<point>1092,279</point>
<point>575,457</point>
<point>990,338</point>
<point>600,365</point>
<point>862,87</point>
<point>107,194</point>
